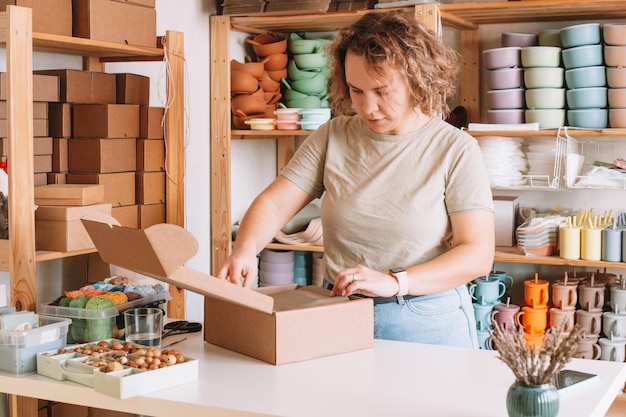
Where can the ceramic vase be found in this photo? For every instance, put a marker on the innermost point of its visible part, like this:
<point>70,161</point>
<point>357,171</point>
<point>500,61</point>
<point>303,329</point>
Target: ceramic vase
<point>532,400</point>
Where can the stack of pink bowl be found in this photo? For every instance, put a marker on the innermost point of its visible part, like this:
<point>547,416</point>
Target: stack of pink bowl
<point>505,97</point>
<point>614,35</point>
<point>276,267</point>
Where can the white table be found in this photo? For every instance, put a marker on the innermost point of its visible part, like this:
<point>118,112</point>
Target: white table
<point>391,379</point>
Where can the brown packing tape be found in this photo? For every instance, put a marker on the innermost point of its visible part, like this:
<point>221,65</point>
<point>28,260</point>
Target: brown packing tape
<point>160,251</point>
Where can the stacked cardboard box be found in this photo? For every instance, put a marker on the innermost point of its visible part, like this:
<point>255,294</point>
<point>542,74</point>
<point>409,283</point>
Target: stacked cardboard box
<point>128,22</point>
<point>45,90</point>
<point>104,132</point>
<point>49,16</point>
<point>59,210</point>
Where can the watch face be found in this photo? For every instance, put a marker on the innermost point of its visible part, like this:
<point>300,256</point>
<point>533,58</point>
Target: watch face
<point>397,270</point>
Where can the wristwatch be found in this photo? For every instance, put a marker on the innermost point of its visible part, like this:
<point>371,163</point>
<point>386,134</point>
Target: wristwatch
<point>400,274</point>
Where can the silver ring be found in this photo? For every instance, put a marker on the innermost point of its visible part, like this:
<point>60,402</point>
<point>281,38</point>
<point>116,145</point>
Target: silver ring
<point>355,277</point>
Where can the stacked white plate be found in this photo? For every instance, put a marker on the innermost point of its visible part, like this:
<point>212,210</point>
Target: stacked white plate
<point>541,157</point>
<point>505,160</point>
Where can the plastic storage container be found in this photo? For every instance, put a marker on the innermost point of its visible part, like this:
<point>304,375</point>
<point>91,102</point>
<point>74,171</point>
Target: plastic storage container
<point>94,325</point>
<point>18,349</point>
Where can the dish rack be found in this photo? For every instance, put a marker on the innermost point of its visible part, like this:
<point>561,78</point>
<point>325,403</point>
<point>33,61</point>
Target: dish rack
<point>563,145</point>
<point>592,175</point>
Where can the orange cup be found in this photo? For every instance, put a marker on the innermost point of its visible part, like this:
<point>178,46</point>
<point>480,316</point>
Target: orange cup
<point>536,292</point>
<point>533,320</point>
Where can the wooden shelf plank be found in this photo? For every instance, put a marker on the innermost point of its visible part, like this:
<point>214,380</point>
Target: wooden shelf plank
<point>468,15</point>
<point>43,255</point>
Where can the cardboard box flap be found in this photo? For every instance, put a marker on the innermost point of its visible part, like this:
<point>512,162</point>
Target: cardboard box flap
<point>160,251</point>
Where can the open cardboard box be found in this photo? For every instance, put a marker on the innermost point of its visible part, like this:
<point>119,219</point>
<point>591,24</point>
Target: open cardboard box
<point>243,320</point>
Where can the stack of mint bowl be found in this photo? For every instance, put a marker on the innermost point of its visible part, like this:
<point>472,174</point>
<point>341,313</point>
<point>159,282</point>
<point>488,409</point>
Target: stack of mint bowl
<point>582,48</point>
<point>308,69</point>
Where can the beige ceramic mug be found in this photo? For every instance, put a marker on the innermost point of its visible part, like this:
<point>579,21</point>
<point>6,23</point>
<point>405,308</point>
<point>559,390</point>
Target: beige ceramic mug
<point>562,319</point>
<point>590,321</point>
<point>591,297</point>
<point>588,348</point>
<point>564,296</point>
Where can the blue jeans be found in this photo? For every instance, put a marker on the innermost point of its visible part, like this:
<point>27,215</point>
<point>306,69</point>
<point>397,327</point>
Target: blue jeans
<point>445,318</point>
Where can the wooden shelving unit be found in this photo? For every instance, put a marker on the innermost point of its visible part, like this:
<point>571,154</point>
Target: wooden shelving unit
<point>467,18</point>
<point>17,254</point>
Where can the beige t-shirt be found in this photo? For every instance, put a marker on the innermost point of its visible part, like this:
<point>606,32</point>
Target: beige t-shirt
<point>387,198</point>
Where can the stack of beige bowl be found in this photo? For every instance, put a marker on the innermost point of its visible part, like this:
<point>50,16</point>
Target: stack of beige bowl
<point>615,58</point>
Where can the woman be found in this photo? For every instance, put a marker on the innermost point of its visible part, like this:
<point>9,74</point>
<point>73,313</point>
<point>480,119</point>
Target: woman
<point>406,205</point>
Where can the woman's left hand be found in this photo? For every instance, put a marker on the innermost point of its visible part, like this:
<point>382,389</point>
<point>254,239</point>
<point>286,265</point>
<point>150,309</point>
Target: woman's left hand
<point>362,280</point>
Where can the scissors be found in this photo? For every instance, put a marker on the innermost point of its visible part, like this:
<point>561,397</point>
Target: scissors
<point>180,327</point>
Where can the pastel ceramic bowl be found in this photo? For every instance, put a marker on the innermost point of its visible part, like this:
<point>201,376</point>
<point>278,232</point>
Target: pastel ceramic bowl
<point>315,114</point>
<point>315,85</point>
<point>616,77</point>
<point>277,256</point>
<point>547,118</point>
<point>261,123</point>
<point>309,125</point>
<point>496,58</point>
<point>545,98</point>
<point>548,77</point>
<point>617,98</point>
<point>505,78</point>
<point>614,34</point>
<point>617,118</point>
<point>550,37</point>
<point>276,267</point>
<point>287,125</point>
<point>310,61</point>
<point>585,98</point>
<point>275,278</point>
<point>518,39</point>
<point>588,118</point>
<point>583,34</point>
<point>586,77</point>
<point>505,99</point>
<point>296,73</point>
<point>541,56</point>
<point>582,56</point>
<point>288,114</point>
<point>507,116</point>
<point>615,56</point>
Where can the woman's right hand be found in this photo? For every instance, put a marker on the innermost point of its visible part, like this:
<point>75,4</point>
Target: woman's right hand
<point>240,264</point>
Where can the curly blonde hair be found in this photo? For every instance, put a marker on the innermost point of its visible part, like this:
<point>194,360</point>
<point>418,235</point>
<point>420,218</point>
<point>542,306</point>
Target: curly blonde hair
<point>396,39</point>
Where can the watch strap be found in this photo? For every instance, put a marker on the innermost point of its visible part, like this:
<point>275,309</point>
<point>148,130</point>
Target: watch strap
<point>402,277</point>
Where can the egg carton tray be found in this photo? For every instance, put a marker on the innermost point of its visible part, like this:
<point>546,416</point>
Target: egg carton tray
<point>68,364</point>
